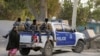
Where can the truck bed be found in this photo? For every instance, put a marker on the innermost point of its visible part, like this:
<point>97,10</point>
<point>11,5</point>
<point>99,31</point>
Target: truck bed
<point>25,37</point>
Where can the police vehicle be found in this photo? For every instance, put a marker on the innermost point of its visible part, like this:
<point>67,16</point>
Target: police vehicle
<point>64,37</point>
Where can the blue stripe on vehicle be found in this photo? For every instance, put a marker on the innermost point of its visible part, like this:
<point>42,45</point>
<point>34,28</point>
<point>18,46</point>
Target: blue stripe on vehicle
<point>65,38</point>
<point>30,33</point>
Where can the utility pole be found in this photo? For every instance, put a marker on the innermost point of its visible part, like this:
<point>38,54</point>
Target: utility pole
<point>74,15</point>
<point>46,9</point>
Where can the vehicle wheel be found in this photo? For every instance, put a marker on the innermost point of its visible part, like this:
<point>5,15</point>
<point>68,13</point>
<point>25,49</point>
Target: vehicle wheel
<point>24,51</point>
<point>48,49</point>
<point>79,47</point>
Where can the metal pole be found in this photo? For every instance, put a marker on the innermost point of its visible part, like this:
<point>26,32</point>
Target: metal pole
<point>74,15</point>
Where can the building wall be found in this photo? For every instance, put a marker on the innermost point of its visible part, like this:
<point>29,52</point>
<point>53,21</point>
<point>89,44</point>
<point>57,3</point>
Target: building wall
<point>94,26</point>
<point>90,25</point>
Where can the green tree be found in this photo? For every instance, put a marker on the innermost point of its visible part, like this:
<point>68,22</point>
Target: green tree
<point>43,8</point>
<point>3,12</point>
<point>97,3</point>
<point>82,12</point>
<point>82,15</point>
<point>14,8</point>
<point>96,11</point>
<point>90,6</point>
<point>66,11</point>
<point>53,8</point>
<point>11,9</point>
<point>96,14</point>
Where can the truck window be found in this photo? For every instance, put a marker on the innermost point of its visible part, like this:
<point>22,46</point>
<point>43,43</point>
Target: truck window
<point>66,28</point>
<point>58,27</point>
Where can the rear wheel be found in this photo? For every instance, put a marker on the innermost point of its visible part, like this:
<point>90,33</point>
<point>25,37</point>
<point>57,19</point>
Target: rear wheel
<point>24,51</point>
<point>47,51</point>
<point>79,47</point>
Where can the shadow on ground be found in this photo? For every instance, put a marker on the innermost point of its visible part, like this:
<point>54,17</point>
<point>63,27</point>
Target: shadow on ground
<point>54,53</point>
<point>31,55</point>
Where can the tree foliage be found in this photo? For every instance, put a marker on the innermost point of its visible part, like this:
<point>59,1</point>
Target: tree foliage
<point>66,11</point>
<point>43,8</point>
<point>83,13</point>
<point>96,14</point>
<point>15,4</point>
<point>96,11</point>
<point>11,9</point>
<point>53,8</point>
<point>3,12</point>
<point>97,3</point>
<point>36,8</point>
<point>39,9</point>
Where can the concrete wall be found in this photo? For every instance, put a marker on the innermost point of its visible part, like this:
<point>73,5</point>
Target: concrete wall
<point>5,26</point>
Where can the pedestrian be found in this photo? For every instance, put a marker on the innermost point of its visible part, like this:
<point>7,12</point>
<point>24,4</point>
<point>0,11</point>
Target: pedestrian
<point>34,28</point>
<point>27,24</point>
<point>17,23</point>
<point>13,43</point>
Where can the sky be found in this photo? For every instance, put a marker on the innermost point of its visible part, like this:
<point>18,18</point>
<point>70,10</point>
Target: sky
<point>83,1</point>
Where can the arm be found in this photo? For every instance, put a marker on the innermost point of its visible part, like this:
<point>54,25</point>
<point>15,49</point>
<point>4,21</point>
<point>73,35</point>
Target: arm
<point>14,24</point>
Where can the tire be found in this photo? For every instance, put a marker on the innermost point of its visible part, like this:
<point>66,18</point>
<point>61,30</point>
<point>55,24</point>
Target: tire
<point>48,49</point>
<point>79,47</point>
<point>24,51</point>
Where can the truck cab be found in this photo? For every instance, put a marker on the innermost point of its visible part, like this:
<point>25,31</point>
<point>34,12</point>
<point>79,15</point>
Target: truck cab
<point>63,35</point>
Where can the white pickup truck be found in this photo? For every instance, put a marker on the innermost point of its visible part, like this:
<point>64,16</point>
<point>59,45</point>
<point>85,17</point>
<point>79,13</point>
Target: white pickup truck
<point>63,35</point>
